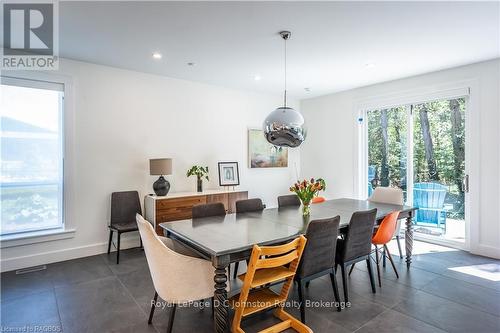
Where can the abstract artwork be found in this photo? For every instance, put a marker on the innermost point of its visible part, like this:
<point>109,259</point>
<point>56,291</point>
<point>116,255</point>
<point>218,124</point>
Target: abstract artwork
<point>262,154</point>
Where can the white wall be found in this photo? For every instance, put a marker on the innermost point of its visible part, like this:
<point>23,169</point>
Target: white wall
<point>331,149</point>
<point>121,119</point>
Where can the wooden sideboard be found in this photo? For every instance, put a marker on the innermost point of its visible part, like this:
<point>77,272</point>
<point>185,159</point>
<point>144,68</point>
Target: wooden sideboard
<point>177,206</point>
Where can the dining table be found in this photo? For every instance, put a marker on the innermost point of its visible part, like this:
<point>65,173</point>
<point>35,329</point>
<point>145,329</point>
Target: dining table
<point>227,239</point>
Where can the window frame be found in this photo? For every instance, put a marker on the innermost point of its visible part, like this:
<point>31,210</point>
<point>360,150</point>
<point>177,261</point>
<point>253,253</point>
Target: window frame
<point>463,88</point>
<point>68,227</point>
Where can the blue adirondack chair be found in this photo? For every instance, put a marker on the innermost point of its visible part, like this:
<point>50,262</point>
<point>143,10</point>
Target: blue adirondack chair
<point>429,198</point>
<point>371,176</point>
<point>371,172</point>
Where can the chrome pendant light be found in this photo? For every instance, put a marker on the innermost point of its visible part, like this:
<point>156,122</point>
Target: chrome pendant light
<point>285,127</point>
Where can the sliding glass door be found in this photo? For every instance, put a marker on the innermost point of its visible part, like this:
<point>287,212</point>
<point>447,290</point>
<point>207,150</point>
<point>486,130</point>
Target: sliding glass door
<point>387,148</point>
<point>420,148</point>
<point>439,168</point>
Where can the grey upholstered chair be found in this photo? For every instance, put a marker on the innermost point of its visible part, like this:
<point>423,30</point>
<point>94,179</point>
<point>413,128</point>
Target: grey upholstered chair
<point>356,245</point>
<point>288,200</point>
<point>207,210</point>
<point>244,206</point>
<point>318,258</point>
<point>249,205</point>
<point>124,206</point>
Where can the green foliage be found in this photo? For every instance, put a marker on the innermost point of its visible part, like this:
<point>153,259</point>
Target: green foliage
<point>440,127</point>
<point>198,171</point>
<point>322,182</point>
<point>391,153</point>
<point>29,207</point>
<point>396,144</point>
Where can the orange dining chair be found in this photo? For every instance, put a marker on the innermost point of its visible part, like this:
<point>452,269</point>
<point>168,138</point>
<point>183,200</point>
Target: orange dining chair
<point>316,200</point>
<point>393,196</point>
<point>383,236</point>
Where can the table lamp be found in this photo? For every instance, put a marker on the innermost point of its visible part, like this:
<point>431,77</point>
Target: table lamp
<point>160,167</point>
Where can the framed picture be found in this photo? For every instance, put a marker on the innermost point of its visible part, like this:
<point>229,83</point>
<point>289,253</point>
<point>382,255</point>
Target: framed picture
<point>262,154</point>
<point>229,174</point>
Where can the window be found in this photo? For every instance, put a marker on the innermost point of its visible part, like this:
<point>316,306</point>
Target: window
<point>31,152</point>
<point>420,148</point>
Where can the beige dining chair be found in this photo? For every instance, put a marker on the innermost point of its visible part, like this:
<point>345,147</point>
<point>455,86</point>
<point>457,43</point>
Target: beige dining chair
<point>394,196</point>
<point>177,278</point>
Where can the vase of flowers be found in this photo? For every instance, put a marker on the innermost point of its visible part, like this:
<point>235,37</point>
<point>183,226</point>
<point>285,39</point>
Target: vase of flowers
<point>306,191</point>
<point>200,173</point>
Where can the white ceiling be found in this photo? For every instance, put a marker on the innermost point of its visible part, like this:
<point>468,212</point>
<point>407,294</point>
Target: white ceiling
<point>330,46</point>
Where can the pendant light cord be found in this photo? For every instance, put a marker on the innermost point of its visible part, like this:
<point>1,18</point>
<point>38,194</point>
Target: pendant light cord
<point>285,75</point>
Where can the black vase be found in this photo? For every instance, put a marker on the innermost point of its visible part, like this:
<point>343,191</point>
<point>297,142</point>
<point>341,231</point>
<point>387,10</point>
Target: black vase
<point>200,185</point>
<point>161,187</point>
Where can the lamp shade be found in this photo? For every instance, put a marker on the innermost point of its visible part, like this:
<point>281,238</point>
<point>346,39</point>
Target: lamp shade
<point>160,166</point>
<point>285,127</point>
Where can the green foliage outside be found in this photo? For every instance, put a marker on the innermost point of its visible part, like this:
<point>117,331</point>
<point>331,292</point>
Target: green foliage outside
<point>438,150</point>
<point>27,208</point>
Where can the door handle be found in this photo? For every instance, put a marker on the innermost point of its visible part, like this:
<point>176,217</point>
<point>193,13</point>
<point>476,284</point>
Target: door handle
<point>465,184</point>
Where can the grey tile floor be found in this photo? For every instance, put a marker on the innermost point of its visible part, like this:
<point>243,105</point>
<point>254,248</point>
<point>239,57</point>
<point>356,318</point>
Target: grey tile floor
<point>94,294</point>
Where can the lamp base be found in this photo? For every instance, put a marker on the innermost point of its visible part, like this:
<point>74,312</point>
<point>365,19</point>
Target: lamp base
<point>161,187</point>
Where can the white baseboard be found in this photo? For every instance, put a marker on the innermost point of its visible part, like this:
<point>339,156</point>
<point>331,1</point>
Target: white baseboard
<point>486,251</point>
<point>44,258</point>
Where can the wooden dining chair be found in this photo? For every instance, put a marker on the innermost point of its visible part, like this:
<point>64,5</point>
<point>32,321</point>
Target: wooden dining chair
<point>267,266</point>
<point>318,258</point>
<point>288,200</point>
<point>356,246</point>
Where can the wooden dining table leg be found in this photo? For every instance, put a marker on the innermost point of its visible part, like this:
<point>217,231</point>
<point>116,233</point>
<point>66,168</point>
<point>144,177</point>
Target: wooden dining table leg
<point>409,239</point>
<point>221,313</point>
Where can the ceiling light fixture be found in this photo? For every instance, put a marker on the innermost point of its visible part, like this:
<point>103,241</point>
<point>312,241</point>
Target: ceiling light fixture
<point>157,55</point>
<point>257,77</point>
<point>285,127</point>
